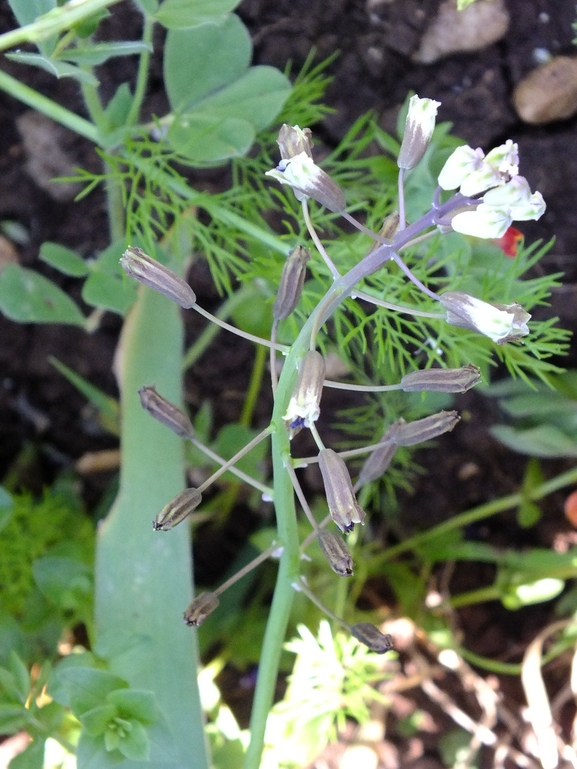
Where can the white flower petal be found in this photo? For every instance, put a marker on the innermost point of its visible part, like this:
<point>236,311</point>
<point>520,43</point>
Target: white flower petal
<point>463,161</point>
<point>483,222</point>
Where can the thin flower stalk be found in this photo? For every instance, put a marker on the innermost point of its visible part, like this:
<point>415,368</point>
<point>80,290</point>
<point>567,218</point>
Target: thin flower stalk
<point>229,463</point>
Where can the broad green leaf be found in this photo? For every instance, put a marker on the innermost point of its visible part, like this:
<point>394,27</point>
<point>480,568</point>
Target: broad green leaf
<point>13,718</point>
<point>64,259</point>
<point>118,107</point>
<point>54,67</point>
<point>96,721</point>
<point>209,139</point>
<point>136,704</point>
<point>109,291</point>
<point>98,53</point>
<point>88,687</point>
<point>199,61</point>
<point>135,745</point>
<point>64,581</point>
<point>148,7</point>
<point>21,676</point>
<point>27,11</point>
<point>179,14</point>
<point>91,753</point>
<point>257,95</point>
<point>542,441</point>
<point>58,686</point>
<point>27,297</point>
<point>108,407</point>
<point>31,758</point>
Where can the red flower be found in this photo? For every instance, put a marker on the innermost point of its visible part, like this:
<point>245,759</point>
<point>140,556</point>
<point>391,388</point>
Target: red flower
<point>509,242</point>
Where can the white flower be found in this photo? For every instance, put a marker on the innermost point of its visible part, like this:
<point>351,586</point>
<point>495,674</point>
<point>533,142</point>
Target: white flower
<point>309,181</point>
<point>460,164</point>
<point>505,158</point>
<point>500,322</point>
<point>419,128</point>
<point>482,222</point>
<point>304,405</point>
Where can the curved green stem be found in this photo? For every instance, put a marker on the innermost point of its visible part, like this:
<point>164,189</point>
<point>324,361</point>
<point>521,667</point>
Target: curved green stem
<point>142,74</point>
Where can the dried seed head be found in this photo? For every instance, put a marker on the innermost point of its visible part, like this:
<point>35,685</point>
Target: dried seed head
<point>293,140</point>
<point>166,412</point>
<point>291,283</point>
<point>343,506</point>
<point>336,552</point>
<point>177,510</point>
<point>304,406</point>
<point>151,273</point>
<point>410,433</point>
<point>203,605</point>
<point>371,636</point>
<point>442,380</point>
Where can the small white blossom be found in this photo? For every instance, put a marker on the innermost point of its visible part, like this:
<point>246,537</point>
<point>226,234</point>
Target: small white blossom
<point>419,128</point>
<point>500,322</point>
<point>482,222</point>
<point>460,164</point>
<point>309,181</point>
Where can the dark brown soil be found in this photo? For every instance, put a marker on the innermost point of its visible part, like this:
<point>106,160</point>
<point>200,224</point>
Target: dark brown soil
<point>41,412</point>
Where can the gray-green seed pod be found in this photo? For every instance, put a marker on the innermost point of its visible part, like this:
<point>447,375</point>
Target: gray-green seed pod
<point>165,412</point>
<point>336,552</point>
<point>151,273</point>
<point>343,506</point>
<point>203,605</point>
<point>177,510</point>
<point>291,283</point>
<point>372,637</point>
<point>410,433</point>
<point>378,461</point>
<point>442,380</point>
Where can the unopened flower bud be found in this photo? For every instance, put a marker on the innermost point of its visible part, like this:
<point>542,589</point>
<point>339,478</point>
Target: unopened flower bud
<point>379,460</point>
<point>442,380</point>
<point>336,552</point>
<point>293,140</point>
<point>304,406</point>
<point>419,128</point>
<point>291,283</point>
<point>309,181</point>
<point>151,273</point>
<point>177,510</point>
<point>372,637</point>
<point>343,506</point>
<point>203,605</point>
<point>500,322</point>
<point>420,430</point>
<point>165,412</point>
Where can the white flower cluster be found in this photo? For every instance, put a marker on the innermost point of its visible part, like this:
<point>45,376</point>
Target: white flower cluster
<point>507,195</point>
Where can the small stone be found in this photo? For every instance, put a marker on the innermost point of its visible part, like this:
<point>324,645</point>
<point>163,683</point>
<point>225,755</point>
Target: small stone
<point>549,92</point>
<point>451,31</point>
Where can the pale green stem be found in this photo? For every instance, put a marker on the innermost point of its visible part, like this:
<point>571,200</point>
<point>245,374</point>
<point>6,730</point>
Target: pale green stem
<point>237,331</point>
<point>142,74</point>
<point>397,307</point>
<point>52,23</point>
<point>272,358</point>
<point>301,497</point>
<point>360,388</point>
<point>302,587</point>
<point>400,183</point>
<point>264,556</point>
<point>266,490</point>
<point>233,460</point>
<point>254,387</point>
<point>316,240</point>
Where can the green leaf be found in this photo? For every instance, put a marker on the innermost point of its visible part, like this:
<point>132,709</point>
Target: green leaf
<point>21,676</point>
<point>199,61</point>
<point>209,139</point>
<point>13,718</point>
<point>528,514</point>
<point>148,7</point>
<point>27,297</point>
<point>57,68</point>
<point>98,53</point>
<point>108,407</point>
<point>88,687</point>
<point>135,704</point>
<point>64,581</point>
<point>542,441</point>
<point>118,107</point>
<point>63,259</point>
<point>135,744</point>
<point>109,291</point>
<point>58,685</point>
<point>27,11</point>
<point>97,720</point>
<point>179,14</point>
<point>31,758</point>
